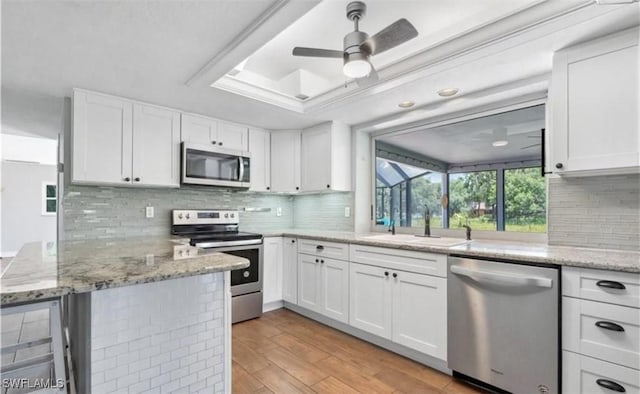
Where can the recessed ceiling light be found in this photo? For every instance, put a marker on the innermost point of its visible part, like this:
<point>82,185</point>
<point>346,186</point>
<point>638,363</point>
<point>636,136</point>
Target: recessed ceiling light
<point>406,104</point>
<point>500,143</point>
<point>499,137</point>
<point>448,92</point>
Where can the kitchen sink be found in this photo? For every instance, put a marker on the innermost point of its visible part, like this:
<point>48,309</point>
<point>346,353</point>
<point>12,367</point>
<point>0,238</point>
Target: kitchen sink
<point>444,242</point>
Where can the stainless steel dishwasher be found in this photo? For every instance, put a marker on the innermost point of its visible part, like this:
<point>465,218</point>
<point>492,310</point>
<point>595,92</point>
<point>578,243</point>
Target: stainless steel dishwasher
<point>503,324</point>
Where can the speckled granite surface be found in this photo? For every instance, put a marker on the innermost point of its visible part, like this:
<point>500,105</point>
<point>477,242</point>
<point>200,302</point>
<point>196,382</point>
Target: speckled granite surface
<point>43,270</point>
<point>608,259</point>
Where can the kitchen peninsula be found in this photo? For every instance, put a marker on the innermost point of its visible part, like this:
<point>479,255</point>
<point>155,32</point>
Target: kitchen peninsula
<point>136,306</point>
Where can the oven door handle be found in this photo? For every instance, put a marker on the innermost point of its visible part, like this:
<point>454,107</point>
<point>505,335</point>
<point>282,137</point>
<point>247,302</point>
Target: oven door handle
<point>223,244</point>
<point>241,168</point>
<point>501,277</point>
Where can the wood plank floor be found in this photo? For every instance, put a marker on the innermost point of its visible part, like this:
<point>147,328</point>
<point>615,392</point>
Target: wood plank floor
<point>283,352</point>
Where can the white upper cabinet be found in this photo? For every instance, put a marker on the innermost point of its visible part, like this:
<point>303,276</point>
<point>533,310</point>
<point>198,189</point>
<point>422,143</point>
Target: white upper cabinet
<point>156,146</point>
<point>285,161</point>
<point>120,142</point>
<point>594,101</point>
<point>102,139</point>
<point>204,130</point>
<point>326,158</point>
<point>260,149</point>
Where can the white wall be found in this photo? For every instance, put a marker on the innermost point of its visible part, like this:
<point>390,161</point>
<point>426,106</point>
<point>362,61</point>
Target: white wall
<point>22,219</point>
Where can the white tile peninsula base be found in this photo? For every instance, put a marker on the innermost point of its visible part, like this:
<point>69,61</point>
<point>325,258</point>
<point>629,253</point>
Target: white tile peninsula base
<point>161,337</point>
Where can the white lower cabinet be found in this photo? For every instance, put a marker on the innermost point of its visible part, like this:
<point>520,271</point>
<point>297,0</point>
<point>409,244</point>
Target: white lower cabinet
<point>419,313</point>
<point>323,286</point>
<point>290,270</point>
<point>587,375</point>
<point>370,299</point>
<point>407,308</point>
<point>272,273</point>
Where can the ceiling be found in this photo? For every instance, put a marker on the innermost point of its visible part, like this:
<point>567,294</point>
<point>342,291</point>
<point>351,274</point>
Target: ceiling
<point>326,25</point>
<point>471,141</point>
<point>169,52</point>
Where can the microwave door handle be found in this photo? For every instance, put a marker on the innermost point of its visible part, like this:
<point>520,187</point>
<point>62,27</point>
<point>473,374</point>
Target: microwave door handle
<point>241,168</point>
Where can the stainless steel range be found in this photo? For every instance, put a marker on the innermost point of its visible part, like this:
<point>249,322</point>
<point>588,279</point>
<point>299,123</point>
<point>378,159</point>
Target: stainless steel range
<point>219,230</point>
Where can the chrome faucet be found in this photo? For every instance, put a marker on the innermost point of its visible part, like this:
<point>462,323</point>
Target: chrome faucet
<point>427,221</point>
<point>392,222</point>
<point>468,237</point>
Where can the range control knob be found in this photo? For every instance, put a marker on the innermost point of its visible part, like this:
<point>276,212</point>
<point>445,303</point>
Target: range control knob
<point>179,216</point>
<point>233,215</point>
<point>226,215</point>
<point>188,216</point>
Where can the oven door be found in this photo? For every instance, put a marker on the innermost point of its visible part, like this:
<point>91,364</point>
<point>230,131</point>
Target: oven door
<point>246,280</point>
<point>207,165</point>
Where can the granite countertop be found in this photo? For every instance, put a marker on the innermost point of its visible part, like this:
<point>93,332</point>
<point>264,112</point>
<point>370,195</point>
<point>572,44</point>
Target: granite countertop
<point>42,270</point>
<point>608,259</point>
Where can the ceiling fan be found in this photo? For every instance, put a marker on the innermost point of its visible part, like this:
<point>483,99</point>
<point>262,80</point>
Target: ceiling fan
<point>359,46</point>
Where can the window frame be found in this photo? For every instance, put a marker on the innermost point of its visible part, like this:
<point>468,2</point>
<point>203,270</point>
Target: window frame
<point>45,198</point>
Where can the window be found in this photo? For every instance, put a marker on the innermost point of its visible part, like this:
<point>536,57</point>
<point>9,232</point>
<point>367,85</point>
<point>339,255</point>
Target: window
<point>524,200</point>
<point>49,198</point>
<point>426,193</point>
<point>472,200</point>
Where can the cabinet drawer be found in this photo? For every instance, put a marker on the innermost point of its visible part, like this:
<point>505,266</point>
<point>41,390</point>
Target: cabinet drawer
<point>607,332</point>
<point>622,288</point>
<point>581,374</point>
<point>332,250</point>
<point>405,260</point>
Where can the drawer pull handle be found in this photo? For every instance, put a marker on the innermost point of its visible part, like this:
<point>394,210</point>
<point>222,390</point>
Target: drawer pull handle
<point>607,325</point>
<point>608,384</point>
<point>609,284</point>
<point>320,247</point>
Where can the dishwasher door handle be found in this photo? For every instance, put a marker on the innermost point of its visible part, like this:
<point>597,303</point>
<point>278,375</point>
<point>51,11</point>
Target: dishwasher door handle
<point>501,277</point>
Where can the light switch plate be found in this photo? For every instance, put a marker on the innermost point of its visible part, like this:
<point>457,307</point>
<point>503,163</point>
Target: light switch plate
<point>279,211</point>
<point>149,212</point>
<point>347,212</point>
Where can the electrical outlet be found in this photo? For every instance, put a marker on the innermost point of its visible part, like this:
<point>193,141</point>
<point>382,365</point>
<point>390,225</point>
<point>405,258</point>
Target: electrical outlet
<point>149,212</point>
<point>279,211</point>
<point>347,212</point>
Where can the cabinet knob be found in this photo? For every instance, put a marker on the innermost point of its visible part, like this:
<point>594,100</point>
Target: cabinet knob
<point>293,241</point>
<point>127,179</point>
<point>214,142</point>
<point>395,275</point>
<point>268,188</point>
<point>321,261</point>
<point>297,188</point>
<point>317,261</point>
<point>137,179</point>
<point>386,273</point>
<point>220,143</point>
<point>328,186</point>
<point>559,165</point>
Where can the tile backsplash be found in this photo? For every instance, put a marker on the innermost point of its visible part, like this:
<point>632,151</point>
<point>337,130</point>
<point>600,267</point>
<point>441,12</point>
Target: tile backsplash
<point>323,211</point>
<point>106,212</point>
<point>596,212</point>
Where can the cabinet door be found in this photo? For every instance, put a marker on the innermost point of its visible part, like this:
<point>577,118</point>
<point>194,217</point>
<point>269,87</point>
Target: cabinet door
<point>335,289</point>
<point>102,139</point>
<point>420,313</point>
<point>199,129</point>
<point>309,282</point>
<point>370,299</point>
<point>316,159</point>
<point>260,149</point>
<point>595,106</point>
<point>285,161</point>
<point>272,277</point>
<point>290,270</point>
<point>233,136</point>
<point>156,146</point>
<point>582,374</point>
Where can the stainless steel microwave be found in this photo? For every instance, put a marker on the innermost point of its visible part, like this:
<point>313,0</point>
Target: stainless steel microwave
<point>210,165</point>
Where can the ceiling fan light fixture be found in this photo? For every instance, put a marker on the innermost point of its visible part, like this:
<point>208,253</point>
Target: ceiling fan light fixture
<point>356,68</point>
<point>447,92</point>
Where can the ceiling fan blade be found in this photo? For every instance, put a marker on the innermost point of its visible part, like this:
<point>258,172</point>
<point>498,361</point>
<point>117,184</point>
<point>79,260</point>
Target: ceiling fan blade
<point>391,36</point>
<point>317,52</point>
<point>530,146</point>
<point>369,79</point>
